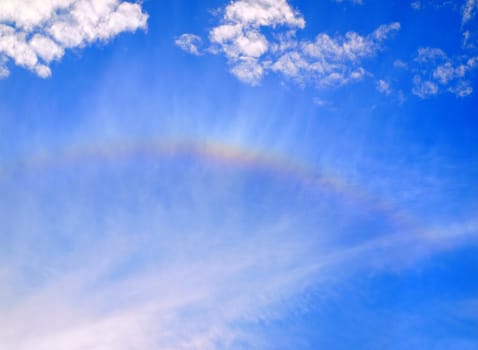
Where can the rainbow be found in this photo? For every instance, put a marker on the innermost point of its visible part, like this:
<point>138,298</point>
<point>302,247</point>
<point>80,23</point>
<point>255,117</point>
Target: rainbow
<point>215,152</point>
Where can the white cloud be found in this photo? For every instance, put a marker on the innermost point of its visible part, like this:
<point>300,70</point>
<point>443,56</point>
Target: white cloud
<point>330,61</point>
<point>400,64</point>
<point>13,44</point>
<point>259,36</point>
<point>384,87</point>
<point>34,33</point>
<point>435,71</point>
<point>469,10</point>
<point>428,54</point>
<point>446,72</point>
<point>462,89</point>
<point>240,39</point>
<point>422,88</point>
<point>46,49</point>
<point>469,33</point>
<point>249,71</point>
<point>239,44</point>
<point>416,5</point>
<point>189,43</point>
<point>256,13</point>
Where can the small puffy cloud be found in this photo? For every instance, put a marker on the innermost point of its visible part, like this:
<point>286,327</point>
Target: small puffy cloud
<point>416,5</point>
<point>384,31</point>
<point>189,43</point>
<point>383,87</point>
<point>429,54</point>
<point>399,64</point>
<point>37,32</point>
<point>424,89</point>
<point>259,36</point>
<point>249,71</point>
<point>239,44</point>
<point>446,72</point>
<point>462,89</point>
<point>435,71</point>
<point>469,10</point>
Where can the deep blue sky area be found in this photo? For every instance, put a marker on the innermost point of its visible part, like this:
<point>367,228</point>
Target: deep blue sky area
<point>238,174</point>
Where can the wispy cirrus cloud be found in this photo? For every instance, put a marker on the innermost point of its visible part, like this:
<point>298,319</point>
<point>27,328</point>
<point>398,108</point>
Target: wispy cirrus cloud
<point>168,254</point>
<point>358,2</point>
<point>469,29</point>
<point>259,37</point>
<point>35,33</point>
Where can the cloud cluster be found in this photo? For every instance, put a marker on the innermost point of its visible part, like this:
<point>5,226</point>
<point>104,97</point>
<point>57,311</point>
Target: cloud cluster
<point>241,39</point>
<point>436,72</point>
<point>34,33</point>
<point>331,61</point>
<point>259,36</point>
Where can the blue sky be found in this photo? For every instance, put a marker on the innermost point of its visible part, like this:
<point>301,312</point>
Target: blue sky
<point>247,174</point>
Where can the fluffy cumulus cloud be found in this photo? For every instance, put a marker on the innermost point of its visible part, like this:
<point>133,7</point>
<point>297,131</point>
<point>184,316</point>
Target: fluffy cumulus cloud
<point>259,36</point>
<point>436,72</point>
<point>240,37</point>
<point>34,33</point>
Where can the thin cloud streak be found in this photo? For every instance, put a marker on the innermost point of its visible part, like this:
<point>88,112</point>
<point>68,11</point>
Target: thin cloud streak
<point>174,284</point>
